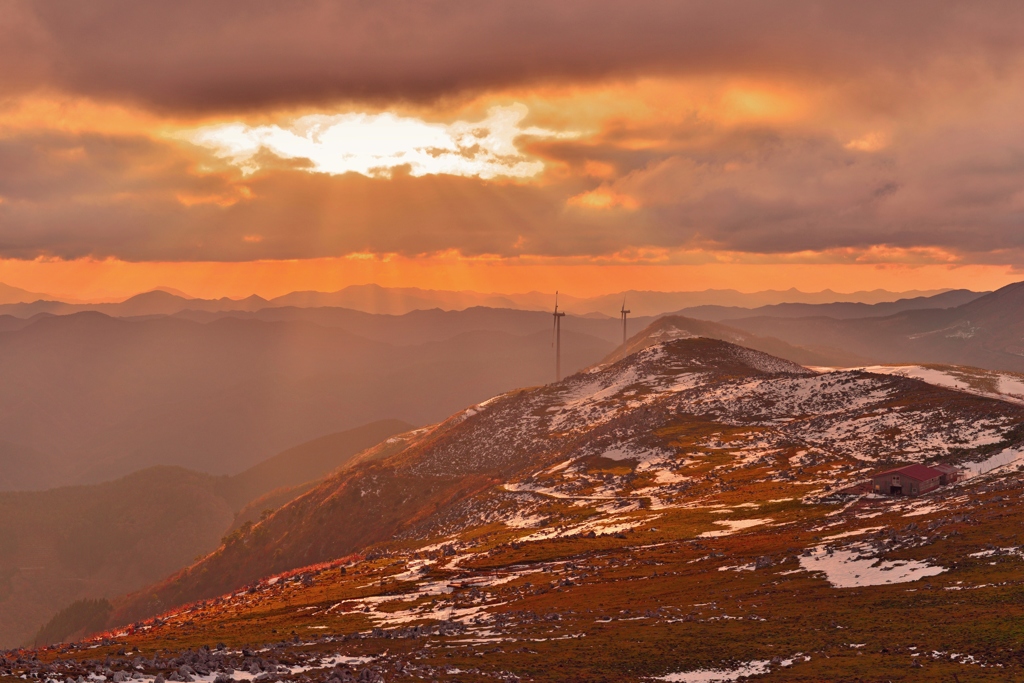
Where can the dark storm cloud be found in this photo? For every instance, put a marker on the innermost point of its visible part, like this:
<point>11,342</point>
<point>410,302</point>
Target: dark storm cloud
<point>198,55</point>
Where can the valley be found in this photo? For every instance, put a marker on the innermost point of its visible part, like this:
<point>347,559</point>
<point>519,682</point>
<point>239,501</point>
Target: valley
<point>82,543</point>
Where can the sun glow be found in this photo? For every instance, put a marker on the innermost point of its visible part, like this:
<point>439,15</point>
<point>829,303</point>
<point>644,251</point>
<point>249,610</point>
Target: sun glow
<point>604,198</point>
<point>376,144</point>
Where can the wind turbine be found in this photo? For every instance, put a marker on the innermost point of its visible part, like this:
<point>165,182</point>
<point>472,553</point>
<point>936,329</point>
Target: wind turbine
<point>556,341</point>
<point>624,313</point>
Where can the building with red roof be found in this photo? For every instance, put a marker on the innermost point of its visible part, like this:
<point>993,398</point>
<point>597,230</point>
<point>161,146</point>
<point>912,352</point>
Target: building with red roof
<point>913,480</point>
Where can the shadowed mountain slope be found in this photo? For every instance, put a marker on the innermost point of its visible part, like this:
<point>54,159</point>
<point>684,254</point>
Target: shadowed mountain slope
<point>839,309</point>
<point>986,332</point>
<point>72,543</point>
<point>62,545</point>
<point>306,462</point>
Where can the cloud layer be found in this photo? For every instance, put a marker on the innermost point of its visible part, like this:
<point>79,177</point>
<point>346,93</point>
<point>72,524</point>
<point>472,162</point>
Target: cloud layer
<point>196,55</point>
<point>600,130</point>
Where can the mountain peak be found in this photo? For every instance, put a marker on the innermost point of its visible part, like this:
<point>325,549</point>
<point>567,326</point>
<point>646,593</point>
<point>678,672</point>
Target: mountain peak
<point>672,327</point>
<point>676,350</point>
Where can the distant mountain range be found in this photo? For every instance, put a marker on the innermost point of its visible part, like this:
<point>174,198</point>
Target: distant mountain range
<point>838,309</point>
<point>986,332</point>
<point>16,295</point>
<point>397,301</point>
<point>68,544</point>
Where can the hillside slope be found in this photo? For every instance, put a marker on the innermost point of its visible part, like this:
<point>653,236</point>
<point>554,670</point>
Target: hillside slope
<point>617,436</point>
<point>306,462</point>
<point>679,515</point>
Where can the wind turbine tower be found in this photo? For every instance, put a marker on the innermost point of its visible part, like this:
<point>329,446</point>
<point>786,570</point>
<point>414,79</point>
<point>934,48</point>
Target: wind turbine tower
<point>624,313</point>
<point>557,332</point>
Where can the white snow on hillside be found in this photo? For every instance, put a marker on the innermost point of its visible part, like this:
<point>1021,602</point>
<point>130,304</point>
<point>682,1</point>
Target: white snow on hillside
<point>855,566</point>
<point>594,439</point>
<point>1006,386</point>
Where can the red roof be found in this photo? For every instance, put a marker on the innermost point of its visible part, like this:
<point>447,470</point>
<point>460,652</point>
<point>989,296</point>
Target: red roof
<point>919,472</point>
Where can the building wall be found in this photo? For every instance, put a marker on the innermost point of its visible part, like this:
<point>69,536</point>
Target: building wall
<point>882,484</point>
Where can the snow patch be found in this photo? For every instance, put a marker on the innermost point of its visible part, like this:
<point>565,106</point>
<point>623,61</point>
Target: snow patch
<point>754,668</point>
<point>854,566</point>
<point>1005,457</point>
<point>734,526</point>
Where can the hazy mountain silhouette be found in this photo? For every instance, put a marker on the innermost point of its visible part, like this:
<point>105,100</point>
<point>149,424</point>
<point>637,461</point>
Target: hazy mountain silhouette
<point>986,332</point>
<point>417,327</point>
<point>400,300</point>
<point>89,542</point>
<point>393,300</point>
<point>15,295</point>
<point>101,396</point>
<point>839,309</point>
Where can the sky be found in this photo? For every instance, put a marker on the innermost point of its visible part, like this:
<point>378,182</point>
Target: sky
<point>238,147</point>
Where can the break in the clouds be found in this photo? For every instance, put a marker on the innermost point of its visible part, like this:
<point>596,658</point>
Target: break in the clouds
<point>374,144</point>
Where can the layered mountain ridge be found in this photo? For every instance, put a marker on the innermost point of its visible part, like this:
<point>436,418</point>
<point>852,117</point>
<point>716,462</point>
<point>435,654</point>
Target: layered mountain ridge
<point>376,299</point>
<point>985,332</point>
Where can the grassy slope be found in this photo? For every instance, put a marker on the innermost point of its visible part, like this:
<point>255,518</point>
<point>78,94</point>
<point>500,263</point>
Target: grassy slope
<point>662,600</point>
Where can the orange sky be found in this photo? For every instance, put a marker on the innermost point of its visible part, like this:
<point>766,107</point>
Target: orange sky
<point>670,147</point>
<point>113,280</point>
